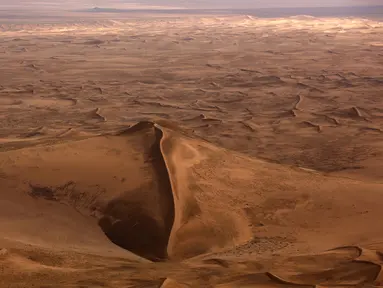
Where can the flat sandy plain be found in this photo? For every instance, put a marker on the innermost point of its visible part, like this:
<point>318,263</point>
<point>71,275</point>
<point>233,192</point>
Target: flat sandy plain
<point>212,151</point>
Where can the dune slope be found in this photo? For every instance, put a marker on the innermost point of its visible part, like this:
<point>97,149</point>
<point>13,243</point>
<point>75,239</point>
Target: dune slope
<point>161,194</point>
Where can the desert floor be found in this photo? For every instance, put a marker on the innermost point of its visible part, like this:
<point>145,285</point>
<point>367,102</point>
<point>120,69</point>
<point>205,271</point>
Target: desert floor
<point>191,152</point>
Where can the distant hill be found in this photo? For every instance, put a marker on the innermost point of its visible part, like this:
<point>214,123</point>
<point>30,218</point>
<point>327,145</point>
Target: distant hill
<point>355,11</point>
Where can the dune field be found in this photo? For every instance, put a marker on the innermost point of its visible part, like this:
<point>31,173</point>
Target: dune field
<point>193,151</point>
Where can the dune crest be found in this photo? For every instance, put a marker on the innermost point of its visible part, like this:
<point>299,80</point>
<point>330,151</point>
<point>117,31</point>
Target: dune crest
<point>186,226</point>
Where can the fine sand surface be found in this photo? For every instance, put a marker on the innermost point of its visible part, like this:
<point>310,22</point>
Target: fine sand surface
<point>191,152</point>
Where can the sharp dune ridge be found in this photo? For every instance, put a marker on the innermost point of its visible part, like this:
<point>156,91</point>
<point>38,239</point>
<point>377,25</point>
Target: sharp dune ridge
<point>157,235</point>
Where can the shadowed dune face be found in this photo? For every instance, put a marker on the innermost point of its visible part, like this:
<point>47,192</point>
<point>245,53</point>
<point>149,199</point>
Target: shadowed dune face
<point>128,226</point>
<point>133,225</point>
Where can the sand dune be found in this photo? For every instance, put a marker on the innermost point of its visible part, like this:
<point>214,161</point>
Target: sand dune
<point>163,195</point>
<point>214,151</point>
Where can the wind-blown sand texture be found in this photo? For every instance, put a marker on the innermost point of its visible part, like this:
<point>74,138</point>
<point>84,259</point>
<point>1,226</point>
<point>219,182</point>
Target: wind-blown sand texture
<point>203,152</point>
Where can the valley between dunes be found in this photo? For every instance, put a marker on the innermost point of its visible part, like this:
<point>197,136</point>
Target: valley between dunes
<point>191,153</point>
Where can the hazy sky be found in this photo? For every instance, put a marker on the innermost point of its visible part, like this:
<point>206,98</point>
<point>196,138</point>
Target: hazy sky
<point>70,4</point>
<point>256,3</point>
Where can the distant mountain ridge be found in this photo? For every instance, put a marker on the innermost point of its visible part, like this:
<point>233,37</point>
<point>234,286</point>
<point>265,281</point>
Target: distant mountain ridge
<point>366,11</point>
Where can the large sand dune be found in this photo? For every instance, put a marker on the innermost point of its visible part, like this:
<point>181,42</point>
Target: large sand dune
<point>207,152</point>
<point>162,195</point>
